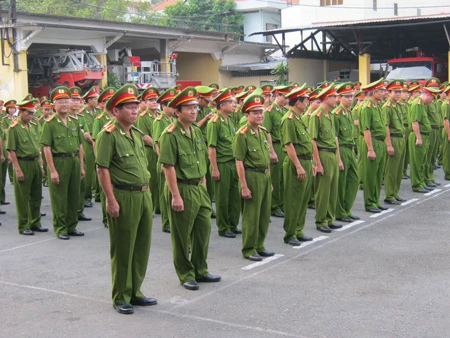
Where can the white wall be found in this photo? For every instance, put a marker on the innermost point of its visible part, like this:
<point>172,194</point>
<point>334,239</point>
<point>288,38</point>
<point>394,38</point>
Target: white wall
<point>256,22</point>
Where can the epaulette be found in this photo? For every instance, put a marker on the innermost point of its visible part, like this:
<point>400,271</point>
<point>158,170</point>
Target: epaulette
<point>419,102</point>
<point>50,118</point>
<point>80,115</point>
<point>369,105</point>
<point>40,117</point>
<point>319,113</point>
<point>138,130</point>
<point>338,111</point>
<point>100,116</point>
<point>4,117</point>
<point>143,114</point>
<point>291,116</point>
<point>388,104</point>
<point>110,128</point>
<point>107,124</point>
<point>269,109</point>
<point>243,130</point>
<point>14,124</point>
<point>171,128</point>
<point>159,117</point>
<point>215,118</point>
<point>73,117</point>
<point>33,123</point>
<point>263,128</point>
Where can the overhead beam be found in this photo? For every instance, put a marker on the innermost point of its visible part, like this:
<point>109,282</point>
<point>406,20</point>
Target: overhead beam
<point>114,39</point>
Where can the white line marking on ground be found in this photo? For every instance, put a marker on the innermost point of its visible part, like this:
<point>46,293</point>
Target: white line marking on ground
<point>447,186</point>
<point>264,261</point>
<point>305,244</point>
<point>383,213</point>
<point>350,225</point>
<point>410,201</point>
<point>432,192</point>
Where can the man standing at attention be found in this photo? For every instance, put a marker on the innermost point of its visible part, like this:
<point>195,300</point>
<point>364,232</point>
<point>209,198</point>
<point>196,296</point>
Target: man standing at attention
<point>123,175</point>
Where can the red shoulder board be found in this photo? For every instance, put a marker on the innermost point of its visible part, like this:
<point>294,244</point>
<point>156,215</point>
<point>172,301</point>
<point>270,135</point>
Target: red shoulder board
<point>73,117</point>
<point>388,103</point>
<point>100,116</point>
<point>369,105</point>
<point>269,109</point>
<point>171,128</point>
<point>291,116</point>
<point>262,128</point>
<point>244,130</point>
<point>80,115</point>
<point>419,102</point>
<point>143,114</point>
<point>338,111</point>
<point>216,118</point>
<point>110,128</point>
<point>40,117</point>
<point>159,117</point>
<point>319,114</point>
<point>50,118</point>
<point>14,124</point>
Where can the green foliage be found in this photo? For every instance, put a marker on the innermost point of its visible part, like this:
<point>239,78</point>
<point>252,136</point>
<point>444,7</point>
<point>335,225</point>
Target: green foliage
<point>113,81</point>
<point>282,71</point>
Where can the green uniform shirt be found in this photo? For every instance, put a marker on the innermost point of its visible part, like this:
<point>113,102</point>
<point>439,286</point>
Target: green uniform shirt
<point>160,123</point>
<point>62,139</point>
<point>6,121</point>
<point>393,117</point>
<point>434,115</point>
<point>98,124</point>
<point>123,155</point>
<point>404,107</point>
<point>355,117</point>
<point>419,114</point>
<point>243,122</point>
<point>220,134</point>
<point>370,118</point>
<point>186,153</point>
<point>306,117</point>
<point>272,121</point>
<point>202,112</point>
<point>295,131</point>
<point>251,148</point>
<point>24,141</point>
<point>445,109</point>
<point>236,117</point>
<point>322,130</point>
<point>145,123</point>
<point>343,125</point>
<point>90,118</point>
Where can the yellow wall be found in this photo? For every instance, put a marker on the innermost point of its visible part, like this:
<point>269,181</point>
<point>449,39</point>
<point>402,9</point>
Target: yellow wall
<point>13,85</point>
<point>364,69</point>
<point>198,67</point>
<point>102,59</point>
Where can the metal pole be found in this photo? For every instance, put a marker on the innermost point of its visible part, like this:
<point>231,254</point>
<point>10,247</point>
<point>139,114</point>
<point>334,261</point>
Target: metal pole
<point>14,32</point>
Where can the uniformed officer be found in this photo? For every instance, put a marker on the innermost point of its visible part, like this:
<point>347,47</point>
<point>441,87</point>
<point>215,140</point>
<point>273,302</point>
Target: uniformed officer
<point>7,120</point>
<point>348,177</point>
<point>251,150</point>
<point>439,103</point>
<point>272,122</point>
<point>297,167</point>
<point>159,125</point>
<point>63,148</point>
<point>47,110</point>
<point>327,160</point>
<point>267,94</point>
<point>445,111</point>
<point>122,171</point>
<point>419,139</point>
<point>24,152</point>
<point>240,101</point>
<point>183,157</point>
<point>404,107</point>
<point>145,124</point>
<point>220,134</point>
<point>396,144</point>
<point>142,104</point>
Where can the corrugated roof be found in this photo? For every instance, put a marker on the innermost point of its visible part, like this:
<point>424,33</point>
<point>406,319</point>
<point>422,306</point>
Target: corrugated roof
<point>361,24</point>
<point>251,66</point>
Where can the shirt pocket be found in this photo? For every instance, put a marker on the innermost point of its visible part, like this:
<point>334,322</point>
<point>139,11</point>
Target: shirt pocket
<point>186,157</point>
<point>127,158</point>
<point>60,140</point>
<point>325,133</point>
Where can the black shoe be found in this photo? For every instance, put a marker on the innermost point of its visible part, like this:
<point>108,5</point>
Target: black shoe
<point>429,188</point>
<point>382,208</point>
<point>97,200</point>
<point>4,203</point>
<point>422,190</point>
<point>405,177</point>
<point>39,229</point>
<point>431,185</point>
<point>64,237</point>
<point>106,226</point>
<point>165,230</point>
<point>209,279</point>
<point>191,285</point>
<point>335,226</point>
<point>393,202</point>
<point>400,199</point>
<point>144,301</point>
<point>125,309</point>
<point>2,212</point>
<point>76,233</point>
<point>279,214</point>
<point>355,218</point>
<point>84,218</point>
<point>27,232</point>
<point>45,184</point>
<point>294,242</point>
<point>213,215</point>
<point>437,183</point>
<point>374,210</point>
<point>266,253</point>
<point>344,219</point>
<point>237,231</point>
<point>255,258</point>
<point>88,204</point>
<point>305,238</point>
<point>43,214</point>
<point>324,229</point>
<point>228,234</point>
<point>312,207</point>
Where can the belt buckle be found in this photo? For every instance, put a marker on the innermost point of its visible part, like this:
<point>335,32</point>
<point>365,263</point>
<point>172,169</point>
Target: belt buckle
<point>72,155</point>
<point>144,188</point>
<point>199,182</point>
<point>266,171</point>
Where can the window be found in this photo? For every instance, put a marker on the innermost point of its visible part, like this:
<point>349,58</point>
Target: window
<point>270,26</point>
<point>324,3</point>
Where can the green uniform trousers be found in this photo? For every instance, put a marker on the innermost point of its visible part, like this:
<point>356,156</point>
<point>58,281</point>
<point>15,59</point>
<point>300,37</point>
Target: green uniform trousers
<point>65,196</point>
<point>394,169</point>
<point>256,213</point>
<point>44,164</point>
<point>406,162</point>
<point>96,188</point>
<point>446,155</point>
<point>296,195</point>
<point>432,153</point>
<point>28,195</point>
<point>190,230</point>
<point>327,189</point>
<point>441,146</point>
<point>130,237</point>
<point>4,170</point>
<point>152,164</point>
<point>360,161</point>
<point>81,199</point>
<point>162,200</point>
<point>348,184</point>
<point>228,198</point>
<point>373,173</point>
<point>276,175</point>
<point>417,158</point>
<point>11,172</point>
<point>103,204</point>
<point>209,180</point>
<point>89,162</point>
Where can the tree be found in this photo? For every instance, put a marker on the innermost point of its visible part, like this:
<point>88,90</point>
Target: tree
<point>282,70</point>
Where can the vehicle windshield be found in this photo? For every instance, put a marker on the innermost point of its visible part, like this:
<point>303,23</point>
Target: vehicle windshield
<point>427,64</point>
<point>410,73</point>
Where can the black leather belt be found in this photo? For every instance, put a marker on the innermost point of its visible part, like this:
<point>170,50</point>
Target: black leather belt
<point>426,134</point>
<point>275,142</point>
<point>189,182</point>
<point>406,125</point>
<point>327,150</point>
<point>397,135</point>
<point>258,170</point>
<point>148,146</point>
<point>348,146</point>
<point>378,138</point>
<point>435,127</point>
<point>304,157</point>
<point>65,155</point>
<point>28,158</point>
<point>132,187</point>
